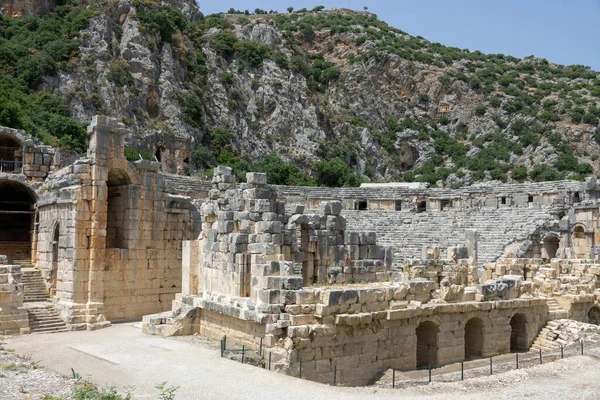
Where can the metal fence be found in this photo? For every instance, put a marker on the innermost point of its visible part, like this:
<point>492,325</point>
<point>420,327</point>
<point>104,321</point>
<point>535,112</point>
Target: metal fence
<point>328,372</point>
<point>10,166</point>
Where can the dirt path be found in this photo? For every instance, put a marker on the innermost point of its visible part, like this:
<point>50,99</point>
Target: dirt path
<point>122,356</point>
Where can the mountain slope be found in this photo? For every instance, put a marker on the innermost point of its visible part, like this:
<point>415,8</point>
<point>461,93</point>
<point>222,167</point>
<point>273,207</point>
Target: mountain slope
<point>337,93</point>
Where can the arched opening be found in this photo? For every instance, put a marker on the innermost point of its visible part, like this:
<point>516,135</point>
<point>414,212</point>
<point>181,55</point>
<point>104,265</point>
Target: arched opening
<point>309,273</point>
<point>427,344</point>
<point>10,154</point>
<point>158,154</point>
<point>518,333</point>
<point>118,194</point>
<point>55,251</point>
<point>473,338</point>
<point>550,247</point>
<point>580,241</point>
<point>17,204</point>
<point>594,315</point>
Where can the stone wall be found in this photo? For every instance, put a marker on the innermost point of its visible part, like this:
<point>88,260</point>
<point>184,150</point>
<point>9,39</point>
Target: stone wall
<point>31,157</point>
<point>13,316</point>
<point>110,234</point>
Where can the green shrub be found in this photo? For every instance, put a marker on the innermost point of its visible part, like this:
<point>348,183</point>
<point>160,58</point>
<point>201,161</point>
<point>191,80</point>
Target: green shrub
<point>252,52</point>
<point>519,173</point>
<point>281,60</point>
<point>118,73</point>
<point>223,43</point>
<point>201,158</point>
<point>192,109</point>
<point>480,110</point>
<point>543,172</point>
<point>334,172</point>
<point>166,20</point>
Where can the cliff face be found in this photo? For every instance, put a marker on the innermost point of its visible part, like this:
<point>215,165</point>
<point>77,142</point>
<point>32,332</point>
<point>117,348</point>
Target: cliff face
<point>327,84</point>
<point>26,8</point>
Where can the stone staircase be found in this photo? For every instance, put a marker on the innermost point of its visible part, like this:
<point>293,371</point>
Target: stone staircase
<point>555,311</point>
<point>33,285</point>
<point>43,318</point>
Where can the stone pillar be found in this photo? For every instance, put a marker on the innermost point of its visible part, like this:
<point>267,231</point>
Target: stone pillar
<point>471,244</point>
<point>106,148</point>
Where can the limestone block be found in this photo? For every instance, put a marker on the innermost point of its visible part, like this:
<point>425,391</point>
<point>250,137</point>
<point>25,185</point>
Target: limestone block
<point>367,238</point>
<point>256,178</point>
<point>297,209</point>
<point>222,170</point>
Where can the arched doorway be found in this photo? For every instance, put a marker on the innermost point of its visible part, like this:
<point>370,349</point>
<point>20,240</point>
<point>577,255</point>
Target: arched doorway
<point>550,246</point>
<point>118,195</point>
<point>518,333</point>
<point>473,338</point>
<point>10,154</point>
<point>580,242</point>
<point>55,251</point>
<point>594,315</point>
<point>427,346</point>
<point>17,204</point>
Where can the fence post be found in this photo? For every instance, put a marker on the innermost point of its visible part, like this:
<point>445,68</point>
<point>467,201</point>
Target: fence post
<point>430,374</point>
<point>491,368</point>
<point>225,342</point>
<point>540,355</point>
<point>393,378</point>
<point>243,353</point>
<point>581,341</point>
<point>221,347</point>
<point>334,374</point>
<point>462,370</point>
<point>270,354</point>
<point>517,357</point>
<point>300,373</point>
<point>261,346</point>
<point>562,354</point>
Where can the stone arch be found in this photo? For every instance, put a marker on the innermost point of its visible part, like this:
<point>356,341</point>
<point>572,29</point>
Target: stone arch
<point>118,183</point>
<point>17,211</point>
<point>550,245</point>
<point>10,153</point>
<point>473,338</point>
<point>427,344</point>
<point>594,315</point>
<point>579,240</point>
<point>302,225</point>
<point>519,341</point>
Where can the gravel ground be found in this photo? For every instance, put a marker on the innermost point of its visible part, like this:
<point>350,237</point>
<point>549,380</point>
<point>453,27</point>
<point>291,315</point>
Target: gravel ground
<point>122,356</point>
<point>22,378</point>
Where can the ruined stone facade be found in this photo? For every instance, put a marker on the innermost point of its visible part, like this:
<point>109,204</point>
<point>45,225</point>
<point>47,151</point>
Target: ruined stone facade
<point>377,277</point>
<point>105,233</point>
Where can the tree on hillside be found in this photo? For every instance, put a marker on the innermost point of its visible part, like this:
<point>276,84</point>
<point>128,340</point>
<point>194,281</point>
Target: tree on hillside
<point>290,9</point>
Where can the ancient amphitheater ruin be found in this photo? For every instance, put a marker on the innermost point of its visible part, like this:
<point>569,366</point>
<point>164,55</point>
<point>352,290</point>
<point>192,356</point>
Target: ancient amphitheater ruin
<point>381,276</point>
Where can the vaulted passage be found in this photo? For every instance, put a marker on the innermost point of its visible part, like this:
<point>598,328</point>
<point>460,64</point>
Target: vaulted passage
<point>473,338</point>
<point>17,204</point>
<point>594,315</point>
<point>118,196</point>
<point>518,333</point>
<point>427,345</point>
<point>550,246</point>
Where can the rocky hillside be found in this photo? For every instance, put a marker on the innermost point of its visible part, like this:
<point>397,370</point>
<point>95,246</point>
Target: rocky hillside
<point>317,96</point>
